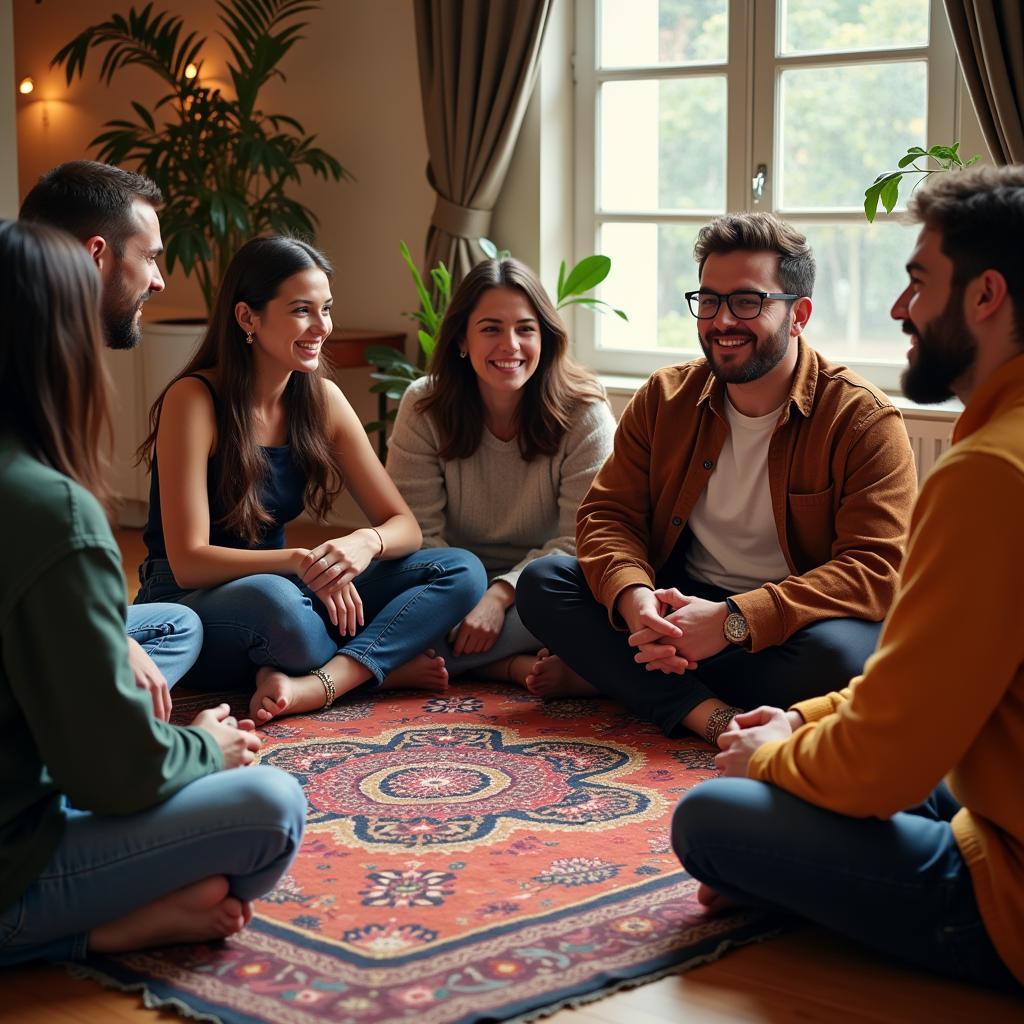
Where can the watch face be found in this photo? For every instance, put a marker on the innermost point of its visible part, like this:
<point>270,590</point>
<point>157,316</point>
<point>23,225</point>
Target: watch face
<point>736,628</point>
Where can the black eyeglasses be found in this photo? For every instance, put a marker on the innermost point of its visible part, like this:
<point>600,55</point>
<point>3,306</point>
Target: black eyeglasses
<point>704,305</point>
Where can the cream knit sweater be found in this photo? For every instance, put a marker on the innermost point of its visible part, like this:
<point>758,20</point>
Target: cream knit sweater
<point>505,510</point>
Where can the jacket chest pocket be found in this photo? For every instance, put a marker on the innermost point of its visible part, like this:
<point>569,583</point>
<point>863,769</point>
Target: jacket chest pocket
<point>812,527</point>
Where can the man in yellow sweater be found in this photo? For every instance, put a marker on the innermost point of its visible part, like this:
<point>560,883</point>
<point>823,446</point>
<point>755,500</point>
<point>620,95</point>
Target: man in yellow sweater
<point>836,809</point>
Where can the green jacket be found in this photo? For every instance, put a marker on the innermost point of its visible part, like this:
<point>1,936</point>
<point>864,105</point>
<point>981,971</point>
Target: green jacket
<point>72,721</point>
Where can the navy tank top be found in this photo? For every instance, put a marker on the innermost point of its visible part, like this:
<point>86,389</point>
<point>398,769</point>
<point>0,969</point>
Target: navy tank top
<point>280,492</point>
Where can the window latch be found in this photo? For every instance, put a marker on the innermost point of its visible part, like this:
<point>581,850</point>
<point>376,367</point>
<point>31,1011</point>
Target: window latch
<point>758,182</point>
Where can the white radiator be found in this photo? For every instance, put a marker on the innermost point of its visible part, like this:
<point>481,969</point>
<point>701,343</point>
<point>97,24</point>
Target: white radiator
<point>929,436</point>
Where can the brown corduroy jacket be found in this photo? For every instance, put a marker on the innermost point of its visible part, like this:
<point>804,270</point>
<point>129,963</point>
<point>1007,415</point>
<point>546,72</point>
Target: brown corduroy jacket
<point>842,480</point>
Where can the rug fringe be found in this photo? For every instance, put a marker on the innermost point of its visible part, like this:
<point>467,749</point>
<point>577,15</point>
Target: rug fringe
<point>150,1000</point>
<point>574,1002</point>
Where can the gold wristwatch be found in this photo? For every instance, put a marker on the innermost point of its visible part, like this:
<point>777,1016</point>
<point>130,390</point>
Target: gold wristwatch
<point>735,628</point>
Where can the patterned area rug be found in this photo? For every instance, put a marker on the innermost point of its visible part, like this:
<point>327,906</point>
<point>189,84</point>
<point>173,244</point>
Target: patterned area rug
<point>478,855</point>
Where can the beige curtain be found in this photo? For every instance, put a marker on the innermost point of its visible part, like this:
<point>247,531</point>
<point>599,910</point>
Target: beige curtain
<point>989,38</point>
<point>478,61</point>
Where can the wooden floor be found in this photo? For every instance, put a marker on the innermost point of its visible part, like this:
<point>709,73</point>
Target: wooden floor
<point>804,977</point>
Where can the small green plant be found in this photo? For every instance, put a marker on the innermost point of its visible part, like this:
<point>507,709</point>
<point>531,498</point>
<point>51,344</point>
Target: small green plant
<point>395,373</point>
<point>885,189</point>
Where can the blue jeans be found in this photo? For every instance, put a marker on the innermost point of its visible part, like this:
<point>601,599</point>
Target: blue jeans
<point>245,823</point>
<point>514,638</point>
<point>409,604</point>
<point>556,605</point>
<point>900,886</point>
<point>170,634</point>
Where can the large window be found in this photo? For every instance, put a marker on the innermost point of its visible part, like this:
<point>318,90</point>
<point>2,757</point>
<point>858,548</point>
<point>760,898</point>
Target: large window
<point>691,108</point>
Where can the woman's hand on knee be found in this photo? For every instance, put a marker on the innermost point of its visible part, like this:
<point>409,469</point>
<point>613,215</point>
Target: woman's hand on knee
<point>337,562</point>
<point>237,740</point>
<point>345,608</point>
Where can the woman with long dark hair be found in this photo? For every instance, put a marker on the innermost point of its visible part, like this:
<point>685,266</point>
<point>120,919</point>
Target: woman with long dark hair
<point>118,830</point>
<point>494,450</point>
<point>251,433</point>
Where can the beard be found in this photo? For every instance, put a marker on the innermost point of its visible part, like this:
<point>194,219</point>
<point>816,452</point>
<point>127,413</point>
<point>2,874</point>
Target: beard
<point>117,311</point>
<point>946,350</point>
<point>767,354</point>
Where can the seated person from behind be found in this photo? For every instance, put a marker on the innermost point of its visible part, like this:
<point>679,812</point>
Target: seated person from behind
<point>742,542</point>
<point>118,830</point>
<point>845,820</point>
<point>495,448</point>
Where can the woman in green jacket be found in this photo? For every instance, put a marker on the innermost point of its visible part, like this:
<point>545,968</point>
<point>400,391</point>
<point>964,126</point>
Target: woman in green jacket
<point>117,830</point>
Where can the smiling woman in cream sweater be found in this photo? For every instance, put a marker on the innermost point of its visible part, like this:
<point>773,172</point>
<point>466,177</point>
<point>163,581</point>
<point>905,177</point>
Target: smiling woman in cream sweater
<point>494,450</point>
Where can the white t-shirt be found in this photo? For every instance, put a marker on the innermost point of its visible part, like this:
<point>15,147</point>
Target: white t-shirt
<point>735,542</point>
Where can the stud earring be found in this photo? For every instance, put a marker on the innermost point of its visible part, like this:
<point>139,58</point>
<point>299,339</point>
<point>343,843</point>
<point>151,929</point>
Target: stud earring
<point>248,337</point>
<point>462,353</point>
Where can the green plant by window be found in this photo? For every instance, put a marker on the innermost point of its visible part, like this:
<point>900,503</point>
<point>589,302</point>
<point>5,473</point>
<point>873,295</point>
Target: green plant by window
<point>885,189</point>
<point>395,373</point>
<point>223,164</point>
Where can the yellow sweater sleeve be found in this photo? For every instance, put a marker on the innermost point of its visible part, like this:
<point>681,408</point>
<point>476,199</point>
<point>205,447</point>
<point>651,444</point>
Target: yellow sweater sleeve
<point>949,650</point>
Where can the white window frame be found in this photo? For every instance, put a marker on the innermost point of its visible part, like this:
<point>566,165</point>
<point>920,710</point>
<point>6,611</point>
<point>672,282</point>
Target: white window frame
<point>754,68</point>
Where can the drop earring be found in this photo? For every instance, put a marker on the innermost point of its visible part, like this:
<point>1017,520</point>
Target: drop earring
<point>462,353</point>
<point>248,337</point>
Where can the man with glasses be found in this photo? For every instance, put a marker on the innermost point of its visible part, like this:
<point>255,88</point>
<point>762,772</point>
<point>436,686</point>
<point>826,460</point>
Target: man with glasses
<point>741,545</point>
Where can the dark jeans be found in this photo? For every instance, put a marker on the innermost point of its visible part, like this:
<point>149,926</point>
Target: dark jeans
<point>556,605</point>
<point>899,886</point>
<point>409,603</point>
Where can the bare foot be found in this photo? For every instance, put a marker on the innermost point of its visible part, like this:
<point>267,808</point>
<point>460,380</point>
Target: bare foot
<point>424,672</point>
<point>197,913</point>
<point>712,900</point>
<point>551,677</point>
<point>278,694</point>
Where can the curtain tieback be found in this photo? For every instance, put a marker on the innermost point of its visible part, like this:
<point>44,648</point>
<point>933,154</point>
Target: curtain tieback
<point>460,221</point>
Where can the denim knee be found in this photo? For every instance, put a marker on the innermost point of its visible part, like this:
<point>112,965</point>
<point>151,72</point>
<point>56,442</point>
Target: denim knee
<point>274,800</point>
<point>706,813</point>
<point>535,597</point>
<point>465,571</point>
<point>189,628</point>
<point>838,648</point>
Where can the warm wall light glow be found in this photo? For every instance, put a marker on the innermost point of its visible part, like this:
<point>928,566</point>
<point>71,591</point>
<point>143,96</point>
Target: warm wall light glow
<point>25,86</point>
<point>191,71</point>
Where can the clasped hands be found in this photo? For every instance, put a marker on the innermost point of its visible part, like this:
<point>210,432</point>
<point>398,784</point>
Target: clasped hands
<point>329,569</point>
<point>670,631</point>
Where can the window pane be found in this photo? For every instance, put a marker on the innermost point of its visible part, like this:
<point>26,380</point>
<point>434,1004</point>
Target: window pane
<point>811,26</point>
<point>641,33</point>
<point>861,270</point>
<point>842,127</point>
<point>651,134</point>
<point>652,266</point>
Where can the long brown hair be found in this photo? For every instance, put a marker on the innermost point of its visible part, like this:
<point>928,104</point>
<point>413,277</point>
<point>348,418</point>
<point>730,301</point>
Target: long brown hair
<point>54,389</point>
<point>550,396</point>
<point>254,276</point>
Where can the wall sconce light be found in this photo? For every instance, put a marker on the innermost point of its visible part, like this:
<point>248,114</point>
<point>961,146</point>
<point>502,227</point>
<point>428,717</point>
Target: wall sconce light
<point>191,71</point>
<point>25,86</point>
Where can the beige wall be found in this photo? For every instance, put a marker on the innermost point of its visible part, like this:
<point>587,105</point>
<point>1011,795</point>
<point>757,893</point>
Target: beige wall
<point>353,81</point>
<point>9,77</point>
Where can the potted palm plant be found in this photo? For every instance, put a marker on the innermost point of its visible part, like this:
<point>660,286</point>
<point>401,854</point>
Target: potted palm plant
<point>222,162</point>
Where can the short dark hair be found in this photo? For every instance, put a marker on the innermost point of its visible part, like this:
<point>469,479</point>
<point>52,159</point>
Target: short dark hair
<point>980,215</point>
<point>87,198</point>
<point>761,232</point>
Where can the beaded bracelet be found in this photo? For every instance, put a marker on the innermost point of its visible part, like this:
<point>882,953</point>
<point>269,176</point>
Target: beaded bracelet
<point>325,678</point>
<point>718,721</point>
